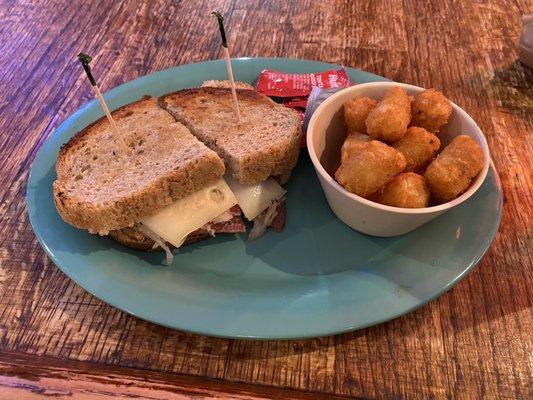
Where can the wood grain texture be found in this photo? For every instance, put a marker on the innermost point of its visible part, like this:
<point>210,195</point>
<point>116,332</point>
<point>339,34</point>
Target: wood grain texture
<point>474,342</point>
<point>27,377</point>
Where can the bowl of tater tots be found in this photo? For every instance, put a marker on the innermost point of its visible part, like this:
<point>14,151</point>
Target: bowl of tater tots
<point>390,156</point>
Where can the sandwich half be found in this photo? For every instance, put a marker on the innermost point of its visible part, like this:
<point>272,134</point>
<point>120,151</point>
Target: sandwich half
<point>165,181</point>
<point>259,151</point>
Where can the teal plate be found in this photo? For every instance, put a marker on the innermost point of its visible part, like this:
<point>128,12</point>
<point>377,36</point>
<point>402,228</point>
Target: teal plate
<point>317,277</point>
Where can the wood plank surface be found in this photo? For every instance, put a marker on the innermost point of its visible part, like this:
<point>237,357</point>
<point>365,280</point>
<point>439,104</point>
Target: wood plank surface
<point>26,377</point>
<point>473,342</point>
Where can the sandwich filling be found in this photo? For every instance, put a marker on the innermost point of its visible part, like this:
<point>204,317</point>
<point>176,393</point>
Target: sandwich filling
<point>228,222</point>
<point>260,203</point>
<point>254,199</point>
<point>211,209</point>
<point>177,220</point>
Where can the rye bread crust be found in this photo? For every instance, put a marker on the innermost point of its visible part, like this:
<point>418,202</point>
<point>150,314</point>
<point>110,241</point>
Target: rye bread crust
<point>226,84</point>
<point>131,237</point>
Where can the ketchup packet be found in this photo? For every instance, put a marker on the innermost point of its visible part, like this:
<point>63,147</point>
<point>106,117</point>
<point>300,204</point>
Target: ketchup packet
<point>294,89</point>
<point>281,84</point>
<point>295,102</point>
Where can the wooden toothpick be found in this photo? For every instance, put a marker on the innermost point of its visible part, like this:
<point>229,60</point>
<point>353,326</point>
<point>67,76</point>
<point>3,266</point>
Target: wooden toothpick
<point>85,60</point>
<point>220,19</point>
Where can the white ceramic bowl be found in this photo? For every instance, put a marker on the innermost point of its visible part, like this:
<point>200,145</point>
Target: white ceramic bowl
<point>325,135</point>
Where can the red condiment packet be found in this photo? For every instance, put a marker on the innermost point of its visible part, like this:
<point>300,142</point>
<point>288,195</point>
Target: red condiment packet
<point>295,102</point>
<point>294,89</point>
<point>281,84</point>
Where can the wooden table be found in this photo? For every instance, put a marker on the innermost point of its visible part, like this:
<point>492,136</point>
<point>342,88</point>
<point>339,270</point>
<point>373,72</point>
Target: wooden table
<point>56,339</point>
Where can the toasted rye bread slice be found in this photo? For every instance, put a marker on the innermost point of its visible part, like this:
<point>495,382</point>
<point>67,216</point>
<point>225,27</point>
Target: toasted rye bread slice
<point>227,84</point>
<point>265,142</point>
<point>100,187</point>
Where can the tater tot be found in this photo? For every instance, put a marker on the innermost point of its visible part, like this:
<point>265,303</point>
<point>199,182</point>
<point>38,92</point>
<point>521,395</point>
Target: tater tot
<point>370,167</point>
<point>407,190</point>
<point>431,110</point>
<point>353,141</point>
<point>355,112</point>
<point>418,146</point>
<point>389,119</point>
<point>451,173</point>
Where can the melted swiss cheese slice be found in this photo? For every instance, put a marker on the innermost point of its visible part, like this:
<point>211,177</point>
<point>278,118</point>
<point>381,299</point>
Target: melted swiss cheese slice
<point>177,220</point>
<point>253,199</point>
